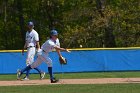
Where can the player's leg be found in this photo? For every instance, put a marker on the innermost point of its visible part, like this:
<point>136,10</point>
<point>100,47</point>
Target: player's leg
<point>42,74</point>
<point>29,67</point>
<point>27,75</point>
<point>30,56</point>
<point>48,61</point>
<point>29,60</point>
<point>20,72</point>
<point>37,62</point>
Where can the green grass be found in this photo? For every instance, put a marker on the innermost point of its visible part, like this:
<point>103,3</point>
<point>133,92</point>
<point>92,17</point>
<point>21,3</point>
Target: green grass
<point>78,88</point>
<point>105,88</point>
<point>80,75</point>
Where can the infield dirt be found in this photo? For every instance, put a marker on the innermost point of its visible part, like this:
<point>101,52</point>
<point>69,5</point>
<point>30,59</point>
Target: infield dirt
<point>71,81</point>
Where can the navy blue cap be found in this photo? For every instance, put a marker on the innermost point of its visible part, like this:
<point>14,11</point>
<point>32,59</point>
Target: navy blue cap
<point>30,23</point>
<point>54,32</point>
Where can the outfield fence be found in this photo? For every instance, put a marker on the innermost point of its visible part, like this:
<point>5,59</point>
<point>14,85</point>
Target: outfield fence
<point>79,60</point>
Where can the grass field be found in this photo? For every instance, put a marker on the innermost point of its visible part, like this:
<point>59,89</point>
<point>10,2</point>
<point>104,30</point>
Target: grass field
<point>83,88</point>
<point>104,88</point>
<point>80,75</point>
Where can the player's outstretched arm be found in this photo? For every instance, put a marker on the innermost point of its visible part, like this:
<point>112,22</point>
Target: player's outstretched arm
<point>59,53</point>
<point>61,49</point>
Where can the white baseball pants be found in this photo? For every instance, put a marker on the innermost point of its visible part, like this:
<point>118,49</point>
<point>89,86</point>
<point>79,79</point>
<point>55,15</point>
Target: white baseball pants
<point>30,55</point>
<point>42,57</point>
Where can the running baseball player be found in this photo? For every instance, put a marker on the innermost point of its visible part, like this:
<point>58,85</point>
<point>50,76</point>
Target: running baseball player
<point>43,55</point>
<point>32,42</point>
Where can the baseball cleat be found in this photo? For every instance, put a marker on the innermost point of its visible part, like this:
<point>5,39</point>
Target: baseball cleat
<point>42,75</point>
<point>25,79</point>
<point>54,80</point>
<point>18,74</point>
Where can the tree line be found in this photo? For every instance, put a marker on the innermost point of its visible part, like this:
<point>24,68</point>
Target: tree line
<point>86,23</point>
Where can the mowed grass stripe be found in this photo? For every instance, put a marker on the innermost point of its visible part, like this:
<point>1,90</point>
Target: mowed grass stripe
<point>104,88</point>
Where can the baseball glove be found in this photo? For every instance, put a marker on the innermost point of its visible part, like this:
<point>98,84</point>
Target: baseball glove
<point>62,60</point>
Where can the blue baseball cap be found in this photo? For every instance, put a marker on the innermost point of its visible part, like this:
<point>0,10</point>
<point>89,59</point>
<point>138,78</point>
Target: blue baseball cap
<point>30,23</point>
<point>54,32</point>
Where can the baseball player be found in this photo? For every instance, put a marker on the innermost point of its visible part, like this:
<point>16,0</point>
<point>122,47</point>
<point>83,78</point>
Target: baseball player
<point>32,42</point>
<point>43,55</point>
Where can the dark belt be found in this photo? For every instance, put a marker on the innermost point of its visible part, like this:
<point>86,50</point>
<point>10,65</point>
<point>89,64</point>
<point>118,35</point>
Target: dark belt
<point>44,51</point>
<point>30,46</point>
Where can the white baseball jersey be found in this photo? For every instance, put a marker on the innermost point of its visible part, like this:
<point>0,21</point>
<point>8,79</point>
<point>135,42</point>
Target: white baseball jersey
<point>49,45</point>
<point>31,38</point>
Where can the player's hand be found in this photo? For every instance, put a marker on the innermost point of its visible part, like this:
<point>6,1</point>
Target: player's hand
<point>68,50</point>
<point>22,52</point>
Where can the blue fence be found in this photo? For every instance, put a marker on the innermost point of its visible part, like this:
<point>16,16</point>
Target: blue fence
<point>78,61</point>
